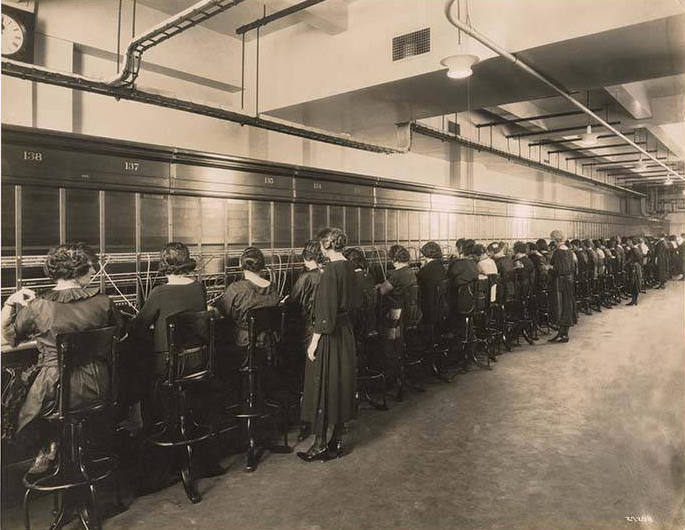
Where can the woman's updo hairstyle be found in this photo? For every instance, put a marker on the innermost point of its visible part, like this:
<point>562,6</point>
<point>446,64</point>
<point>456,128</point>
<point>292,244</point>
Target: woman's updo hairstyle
<point>175,259</point>
<point>431,250</point>
<point>332,238</point>
<point>66,262</point>
<point>355,256</point>
<point>558,236</point>
<point>494,247</point>
<point>312,251</point>
<point>477,250</point>
<point>252,260</point>
<point>398,254</point>
<point>542,245</point>
<point>520,247</point>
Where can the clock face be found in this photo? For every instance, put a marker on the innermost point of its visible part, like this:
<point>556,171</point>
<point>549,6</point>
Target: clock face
<point>13,35</point>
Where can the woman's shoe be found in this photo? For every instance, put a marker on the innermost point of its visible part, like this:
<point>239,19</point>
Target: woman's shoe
<point>557,338</point>
<point>563,340</point>
<point>335,448</point>
<point>314,454</point>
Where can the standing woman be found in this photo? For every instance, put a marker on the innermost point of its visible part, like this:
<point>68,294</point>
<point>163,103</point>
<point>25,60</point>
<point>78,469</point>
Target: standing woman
<point>329,385</point>
<point>563,267</point>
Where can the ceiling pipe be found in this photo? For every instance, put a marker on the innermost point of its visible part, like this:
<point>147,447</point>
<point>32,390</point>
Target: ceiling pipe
<point>551,131</point>
<point>505,121</point>
<point>554,86</point>
<point>277,15</point>
<point>566,140</point>
<point>41,74</point>
<point>608,154</point>
<point>166,29</point>
<point>593,148</point>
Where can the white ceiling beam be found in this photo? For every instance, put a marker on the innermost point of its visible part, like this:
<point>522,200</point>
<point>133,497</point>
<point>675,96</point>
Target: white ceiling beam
<point>331,16</point>
<point>672,136</point>
<point>633,97</point>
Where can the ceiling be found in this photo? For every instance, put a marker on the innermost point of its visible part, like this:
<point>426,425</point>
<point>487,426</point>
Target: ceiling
<point>623,55</point>
<point>326,16</point>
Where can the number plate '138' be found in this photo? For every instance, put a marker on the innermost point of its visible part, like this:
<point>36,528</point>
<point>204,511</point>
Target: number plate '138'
<point>33,156</point>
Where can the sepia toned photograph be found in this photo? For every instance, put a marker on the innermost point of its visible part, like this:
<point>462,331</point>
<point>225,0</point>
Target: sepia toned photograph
<point>342,264</point>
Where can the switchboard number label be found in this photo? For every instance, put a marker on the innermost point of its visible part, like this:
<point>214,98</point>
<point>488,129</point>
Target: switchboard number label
<point>317,186</point>
<point>268,180</point>
<point>33,156</point>
<point>131,166</point>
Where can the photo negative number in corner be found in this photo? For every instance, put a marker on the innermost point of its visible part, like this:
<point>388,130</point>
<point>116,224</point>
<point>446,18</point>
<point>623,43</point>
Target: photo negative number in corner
<point>17,34</point>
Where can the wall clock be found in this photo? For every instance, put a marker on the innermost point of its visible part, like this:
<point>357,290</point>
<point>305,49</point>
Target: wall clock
<point>17,34</point>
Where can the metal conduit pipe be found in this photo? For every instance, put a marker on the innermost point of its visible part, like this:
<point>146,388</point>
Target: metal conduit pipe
<point>41,74</point>
<point>166,29</point>
<point>560,90</point>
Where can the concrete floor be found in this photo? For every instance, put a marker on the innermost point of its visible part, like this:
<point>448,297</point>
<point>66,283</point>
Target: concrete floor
<point>583,435</point>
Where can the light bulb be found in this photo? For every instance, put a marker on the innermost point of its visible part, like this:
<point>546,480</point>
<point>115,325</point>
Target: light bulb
<point>668,182</point>
<point>459,66</point>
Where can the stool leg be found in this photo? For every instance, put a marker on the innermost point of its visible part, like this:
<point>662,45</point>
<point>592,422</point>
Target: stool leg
<point>251,460</point>
<point>189,483</point>
<point>27,518</point>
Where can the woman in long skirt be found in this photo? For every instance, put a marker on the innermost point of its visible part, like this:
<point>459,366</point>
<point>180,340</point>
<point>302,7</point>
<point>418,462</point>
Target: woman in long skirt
<point>330,376</point>
<point>563,268</point>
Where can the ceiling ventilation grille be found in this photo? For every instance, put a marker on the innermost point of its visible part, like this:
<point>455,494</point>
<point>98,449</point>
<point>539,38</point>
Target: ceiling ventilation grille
<point>411,44</point>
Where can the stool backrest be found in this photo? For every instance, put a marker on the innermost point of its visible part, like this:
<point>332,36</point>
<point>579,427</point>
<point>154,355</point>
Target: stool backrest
<point>191,340</point>
<point>466,298</point>
<point>495,287</point>
<point>87,359</point>
<point>264,320</point>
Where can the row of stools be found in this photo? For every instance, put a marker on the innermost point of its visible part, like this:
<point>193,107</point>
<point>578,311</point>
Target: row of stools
<point>191,366</point>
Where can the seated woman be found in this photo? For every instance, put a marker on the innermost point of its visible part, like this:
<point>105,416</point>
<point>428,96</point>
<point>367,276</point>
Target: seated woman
<point>243,295</point>
<point>431,273</point>
<point>70,306</point>
<point>401,310</point>
<point>486,265</point>
<point>180,294</point>
<point>364,318</point>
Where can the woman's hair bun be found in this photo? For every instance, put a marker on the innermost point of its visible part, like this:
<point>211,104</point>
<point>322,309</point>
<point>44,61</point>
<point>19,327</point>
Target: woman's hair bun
<point>252,259</point>
<point>332,238</point>
<point>399,254</point>
<point>175,259</point>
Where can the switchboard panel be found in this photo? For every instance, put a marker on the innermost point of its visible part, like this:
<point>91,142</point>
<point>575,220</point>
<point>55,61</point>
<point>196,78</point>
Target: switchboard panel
<point>55,167</point>
<point>225,182</point>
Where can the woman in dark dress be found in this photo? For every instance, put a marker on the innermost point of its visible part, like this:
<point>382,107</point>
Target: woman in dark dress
<point>365,318</point>
<point>634,261</point>
<point>251,292</point>
<point>563,266</point>
<point>181,293</point>
<point>302,297</point>
<point>330,381</point>
<point>401,310</point>
<point>429,276</point>
<point>304,290</point>
<point>70,306</point>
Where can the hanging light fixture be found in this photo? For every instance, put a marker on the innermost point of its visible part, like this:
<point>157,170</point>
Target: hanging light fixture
<point>668,182</point>
<point>460,65</point>
<point>588,138</point>
<point>642,165</point>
